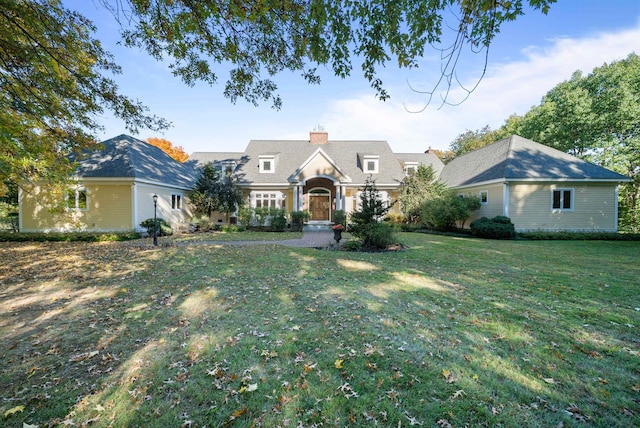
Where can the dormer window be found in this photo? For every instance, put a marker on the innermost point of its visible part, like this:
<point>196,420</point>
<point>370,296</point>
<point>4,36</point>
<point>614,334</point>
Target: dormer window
<point>267,164</point>
<point>410,166</point>
<point>227,168</point>
<point>370,164</point>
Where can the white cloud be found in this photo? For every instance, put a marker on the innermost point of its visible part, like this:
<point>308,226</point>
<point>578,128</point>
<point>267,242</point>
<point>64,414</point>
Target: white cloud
<point>507,88</point>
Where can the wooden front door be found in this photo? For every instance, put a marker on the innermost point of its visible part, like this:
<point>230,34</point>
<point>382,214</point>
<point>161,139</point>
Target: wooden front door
<point>320,206</point>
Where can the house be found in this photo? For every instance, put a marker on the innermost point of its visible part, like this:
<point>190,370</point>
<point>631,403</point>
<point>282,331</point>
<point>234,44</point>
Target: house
<point>316,175</point>
<point>114,191</point>
<point>537,187</point>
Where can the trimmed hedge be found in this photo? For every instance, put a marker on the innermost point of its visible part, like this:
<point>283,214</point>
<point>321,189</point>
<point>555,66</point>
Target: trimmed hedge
<point>69,237</point>
<point>498,227</point>
<point>579,236</point>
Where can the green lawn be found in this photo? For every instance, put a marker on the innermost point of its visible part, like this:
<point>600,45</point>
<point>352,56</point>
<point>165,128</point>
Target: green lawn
<point>450,332</point>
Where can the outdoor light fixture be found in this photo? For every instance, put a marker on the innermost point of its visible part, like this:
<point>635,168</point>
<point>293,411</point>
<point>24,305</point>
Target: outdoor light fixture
<point>155,219</point>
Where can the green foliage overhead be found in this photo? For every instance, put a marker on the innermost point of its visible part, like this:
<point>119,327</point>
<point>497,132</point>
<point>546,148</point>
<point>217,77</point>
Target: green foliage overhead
<point>53,88</point>
<point>262,39</point>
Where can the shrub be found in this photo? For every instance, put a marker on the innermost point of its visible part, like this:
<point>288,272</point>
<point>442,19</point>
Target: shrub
<point>278,220</point>
<point>446,212</point>
<point>396,218</point>
<point>352,245</point>
<point>340,217</point>
<point>203,224</point>
<point>164,228</point>
<point>68,237</point>
<point>297,219</point>
<point>498,227</point>
<point>245,214</point>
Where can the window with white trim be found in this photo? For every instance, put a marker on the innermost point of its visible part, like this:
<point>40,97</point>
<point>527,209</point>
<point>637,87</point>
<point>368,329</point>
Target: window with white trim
<point>371,164</point>
<point>267,199</point>
<point>77,199</point>
<point>562,200</point>
<point>267,164</point>
<point>409,167</point>
<point>227,168</point>
<point>176,202</point>
<point>484,197</point>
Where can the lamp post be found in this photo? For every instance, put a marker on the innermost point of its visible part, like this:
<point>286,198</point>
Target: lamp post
<point>155,219</point>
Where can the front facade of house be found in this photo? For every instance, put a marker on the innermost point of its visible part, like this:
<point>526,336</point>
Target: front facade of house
<point>317,175</point>
<point>537,187</point>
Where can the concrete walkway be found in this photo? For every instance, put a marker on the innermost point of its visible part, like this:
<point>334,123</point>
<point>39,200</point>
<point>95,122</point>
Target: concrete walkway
<point>321,239</point>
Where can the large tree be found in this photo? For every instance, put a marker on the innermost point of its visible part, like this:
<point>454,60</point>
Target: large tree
<point>418,187</point>
<point>215,190</point>
<point>263,38</point>
<point>176,152</point>
<point>55,76</point>
<point>54,84</point>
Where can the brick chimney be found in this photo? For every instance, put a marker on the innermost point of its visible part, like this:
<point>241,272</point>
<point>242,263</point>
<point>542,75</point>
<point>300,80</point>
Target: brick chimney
<point>318,137</point>
<point>430,151</point>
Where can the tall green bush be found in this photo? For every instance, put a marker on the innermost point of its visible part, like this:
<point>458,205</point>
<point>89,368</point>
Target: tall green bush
<point>365,223</point>
<point>449,212</point>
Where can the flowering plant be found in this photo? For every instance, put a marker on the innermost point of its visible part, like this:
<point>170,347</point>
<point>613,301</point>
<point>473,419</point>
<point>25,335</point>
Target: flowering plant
<point>337,227</point>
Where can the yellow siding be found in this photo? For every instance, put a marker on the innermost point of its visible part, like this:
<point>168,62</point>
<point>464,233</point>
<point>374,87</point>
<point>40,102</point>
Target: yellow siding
<point>594,207</point>
<point>109,209</point>
<point>495,201</point>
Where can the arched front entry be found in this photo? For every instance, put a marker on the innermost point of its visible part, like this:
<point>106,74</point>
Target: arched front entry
<point>319,194</point>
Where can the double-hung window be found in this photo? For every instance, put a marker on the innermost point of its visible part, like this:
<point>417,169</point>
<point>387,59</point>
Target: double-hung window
<point>484,197</point>
<point>176,202</point>
<point>562,200</point>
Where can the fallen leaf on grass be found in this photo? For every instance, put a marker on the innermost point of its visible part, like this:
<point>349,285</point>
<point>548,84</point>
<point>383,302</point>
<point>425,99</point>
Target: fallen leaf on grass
<point>13,410</point>
<point>549,380</point>
<point>338,363</point>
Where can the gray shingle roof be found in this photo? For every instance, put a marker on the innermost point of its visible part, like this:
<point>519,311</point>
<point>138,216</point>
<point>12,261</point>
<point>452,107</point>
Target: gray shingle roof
<point>517,158</point>
<point>291,154</point>
<point>422,158</point>
<point>127,157</point>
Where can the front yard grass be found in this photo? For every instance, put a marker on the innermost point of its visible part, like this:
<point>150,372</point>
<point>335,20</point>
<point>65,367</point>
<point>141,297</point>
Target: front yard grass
<point>450,332</point>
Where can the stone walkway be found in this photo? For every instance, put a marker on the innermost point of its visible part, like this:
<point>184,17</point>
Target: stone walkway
<point>308,240</point>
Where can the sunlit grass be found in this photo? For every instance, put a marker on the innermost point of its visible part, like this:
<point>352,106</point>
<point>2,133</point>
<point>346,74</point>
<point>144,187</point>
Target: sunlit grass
<point>450,331</point>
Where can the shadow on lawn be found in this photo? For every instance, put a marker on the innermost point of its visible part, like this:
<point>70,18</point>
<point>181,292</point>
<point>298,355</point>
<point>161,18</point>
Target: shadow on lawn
<point>115,335</point>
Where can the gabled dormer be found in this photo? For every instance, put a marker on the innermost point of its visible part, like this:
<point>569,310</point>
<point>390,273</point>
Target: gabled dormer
<point>369,163</point>
<point>267,163</point>
<point>319,164</point>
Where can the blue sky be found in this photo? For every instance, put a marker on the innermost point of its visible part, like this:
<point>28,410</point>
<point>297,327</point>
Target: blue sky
<point>528,58</point>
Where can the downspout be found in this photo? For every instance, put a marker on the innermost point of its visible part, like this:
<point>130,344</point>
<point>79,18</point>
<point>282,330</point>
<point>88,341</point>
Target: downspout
<point>20,208</point>
<point>615,216</point>
<point>505,200</point>
<point>134,205</point>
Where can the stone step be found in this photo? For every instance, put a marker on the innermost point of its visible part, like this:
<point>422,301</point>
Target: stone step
<point>317,227</point>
